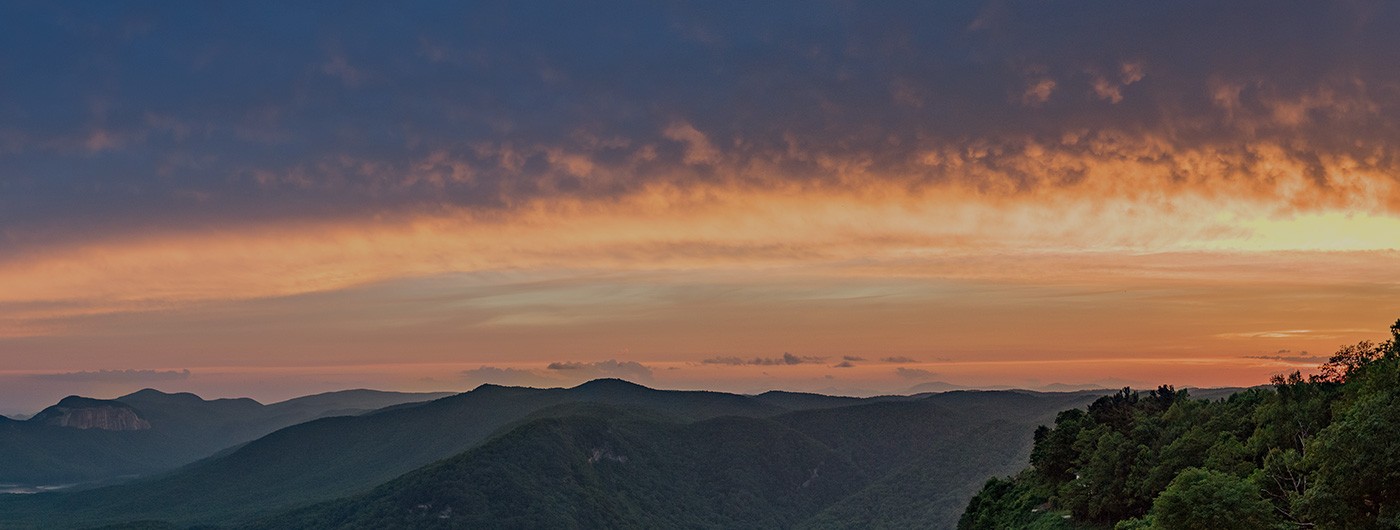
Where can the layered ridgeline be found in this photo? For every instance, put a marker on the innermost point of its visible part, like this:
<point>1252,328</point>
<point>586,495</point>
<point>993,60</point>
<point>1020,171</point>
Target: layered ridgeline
<point>1321,452</point>
<point>605,453</point>
<point>81,440</point>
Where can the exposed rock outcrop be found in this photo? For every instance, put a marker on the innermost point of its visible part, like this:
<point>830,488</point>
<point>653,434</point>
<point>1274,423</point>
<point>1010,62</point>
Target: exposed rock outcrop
<point>85,413</point>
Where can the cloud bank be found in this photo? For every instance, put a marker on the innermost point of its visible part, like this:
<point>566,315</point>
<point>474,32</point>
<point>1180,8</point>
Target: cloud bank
<point>1288,106</point>
<point>696,178</point>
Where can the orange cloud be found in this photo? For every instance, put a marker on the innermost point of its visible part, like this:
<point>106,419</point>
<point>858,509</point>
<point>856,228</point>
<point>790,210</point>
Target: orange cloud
<point>1095,229</point>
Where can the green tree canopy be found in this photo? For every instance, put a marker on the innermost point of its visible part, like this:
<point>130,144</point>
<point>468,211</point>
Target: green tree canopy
<point>1201,499</point>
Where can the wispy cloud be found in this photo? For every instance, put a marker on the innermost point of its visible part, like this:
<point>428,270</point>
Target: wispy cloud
<point>116,376</point>
<point>786,359</point>
<point>560,373</point>
<point>508,377</point>
<point>630,370</point>
<point>1288,356</point>
<point>915,373</point>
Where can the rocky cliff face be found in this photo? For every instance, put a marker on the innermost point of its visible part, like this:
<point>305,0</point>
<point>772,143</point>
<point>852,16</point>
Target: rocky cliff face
<point>84,413</point>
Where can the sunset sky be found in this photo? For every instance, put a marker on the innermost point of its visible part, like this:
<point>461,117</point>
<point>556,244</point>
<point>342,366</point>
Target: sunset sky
<point>272,199</point>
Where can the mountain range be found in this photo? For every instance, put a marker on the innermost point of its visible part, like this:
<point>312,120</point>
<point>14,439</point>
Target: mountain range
<point>605,453</point>
<point>85,440</point>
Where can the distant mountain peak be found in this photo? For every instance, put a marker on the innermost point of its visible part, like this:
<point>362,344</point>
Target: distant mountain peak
<point>152,394</point>
<point>88,413</point>
<point>935,386</point>
<point>611,383</point>
<point>87,402</point>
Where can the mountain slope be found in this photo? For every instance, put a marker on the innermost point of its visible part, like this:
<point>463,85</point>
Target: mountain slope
<point>599,471</point>
<point>87,413</point>
<point>907,461</point>
<point>926,457</point>
<point>83,440</point>
<point>807,401</point>
<point>338,456</point>
<point>911,463</point>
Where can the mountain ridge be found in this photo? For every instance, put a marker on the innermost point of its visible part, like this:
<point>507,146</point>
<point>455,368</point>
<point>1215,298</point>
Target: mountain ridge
<point>344,457</point>
<point>158,431</point>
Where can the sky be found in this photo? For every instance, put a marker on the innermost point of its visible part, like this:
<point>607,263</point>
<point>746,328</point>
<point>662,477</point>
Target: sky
<point>271,199</point>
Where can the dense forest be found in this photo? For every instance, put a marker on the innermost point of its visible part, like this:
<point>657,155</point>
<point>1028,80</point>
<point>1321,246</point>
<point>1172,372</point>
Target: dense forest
<point>1306,452</point>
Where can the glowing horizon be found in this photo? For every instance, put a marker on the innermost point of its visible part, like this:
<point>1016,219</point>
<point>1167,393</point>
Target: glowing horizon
<point>430,208</point>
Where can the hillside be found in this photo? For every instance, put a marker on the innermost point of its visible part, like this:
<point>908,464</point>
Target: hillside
<point>927,457</point>
<point>89,440</point>
<point>873,464</point>
<point>1315,452</point>
<point>883,463</point>
<point>605,470</point>
<point>923,445</point>
<point>337,456</point>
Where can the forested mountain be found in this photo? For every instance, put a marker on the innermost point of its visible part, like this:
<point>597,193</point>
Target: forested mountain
<point>538,457</point>
<point>605,453</point>
<point>892,463</point>
<point>82,439</point>
<point>1318,452</point>
<point>336,456</point>
<point>606,470</point>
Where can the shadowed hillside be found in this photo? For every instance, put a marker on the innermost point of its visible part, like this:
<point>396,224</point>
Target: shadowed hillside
<point>604,470</point>
<point>942,446</point>
<point>82,439</point>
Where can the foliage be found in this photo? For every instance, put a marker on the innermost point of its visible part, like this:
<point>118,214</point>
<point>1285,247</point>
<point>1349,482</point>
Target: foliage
<point>1314,452</point>
<point>1201,499</point>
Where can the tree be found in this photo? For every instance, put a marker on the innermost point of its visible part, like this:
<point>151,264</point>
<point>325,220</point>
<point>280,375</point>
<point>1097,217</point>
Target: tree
<point>1054,455</point>
<point>1200,499</point>
<point>1356,458</point>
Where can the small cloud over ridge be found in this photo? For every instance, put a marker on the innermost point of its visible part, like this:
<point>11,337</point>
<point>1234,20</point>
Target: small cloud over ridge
<point>559,373</point>
<point>786,359</point>
<point>630,370</point>
<point>915,373</point>
<point>1288,356</point>
<point>508,377</point>
<point>898,359</point>
<point>116,376</point>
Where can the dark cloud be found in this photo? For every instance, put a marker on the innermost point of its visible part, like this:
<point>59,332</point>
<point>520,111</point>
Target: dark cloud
<point>853,358</point>
<point>117,376</point>
<point>915,373</point>
<point>898,359</point>
<point>508,377</point>
<point>786,359</point>
<point>630,370</point>
<point>844,364</point>
<point>192,115</point>
<point>561,373</point>
<point>1288,356</point>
